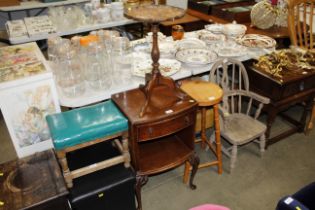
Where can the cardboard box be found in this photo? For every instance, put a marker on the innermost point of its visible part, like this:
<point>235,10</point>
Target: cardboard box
<point>6,3</point>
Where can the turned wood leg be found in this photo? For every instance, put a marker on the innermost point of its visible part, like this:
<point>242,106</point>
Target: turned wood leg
<point>61,155</point>
<point>233,158</point>
<point>203,127</point>
<point>262,143</point>
<point>186,172</point>
<point>217,137</point>
<point>194,162</point>
<point>140,181</point>
<point>126,153</point>
<point>270,120</point>
<point>310,123</point>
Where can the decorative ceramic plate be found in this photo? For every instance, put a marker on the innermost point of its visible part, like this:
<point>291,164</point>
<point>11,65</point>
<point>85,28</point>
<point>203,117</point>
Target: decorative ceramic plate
<point>167,67</point>
<point>167,48</point>
<point>196,56</point>
<point>256,41</point>
<point>191,43</point>
<point>232,51</point>
<point>215,28</point>
<point>211,38</point>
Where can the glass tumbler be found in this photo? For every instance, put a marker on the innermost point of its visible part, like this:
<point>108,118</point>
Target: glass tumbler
<point>71,78</point>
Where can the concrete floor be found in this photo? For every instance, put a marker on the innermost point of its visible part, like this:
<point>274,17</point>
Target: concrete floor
<point>257,183</point>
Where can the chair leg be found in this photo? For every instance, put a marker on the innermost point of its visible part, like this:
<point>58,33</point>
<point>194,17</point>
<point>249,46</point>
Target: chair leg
<point>61,155</point>
<point>262,143</point>
<point>233,157</point>
<point>126,153</point>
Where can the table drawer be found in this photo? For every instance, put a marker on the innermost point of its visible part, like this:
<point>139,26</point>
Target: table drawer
<point>165,127</point>
<point>299,86</point>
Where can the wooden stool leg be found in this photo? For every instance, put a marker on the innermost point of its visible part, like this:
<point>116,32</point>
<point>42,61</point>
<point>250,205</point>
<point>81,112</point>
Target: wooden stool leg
<point>186,172</point>
<point>203,127</point>
<point>126,151</point>
<point>61,155</point>
<point>217,137</point>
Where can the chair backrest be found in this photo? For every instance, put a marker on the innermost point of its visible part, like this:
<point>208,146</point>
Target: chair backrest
<point>301,22</point>
<point>231,76</point>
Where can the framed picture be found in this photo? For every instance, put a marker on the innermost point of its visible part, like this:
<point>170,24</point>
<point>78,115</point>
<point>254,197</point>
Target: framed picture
<point>28,94</point>
<point>24,109</point>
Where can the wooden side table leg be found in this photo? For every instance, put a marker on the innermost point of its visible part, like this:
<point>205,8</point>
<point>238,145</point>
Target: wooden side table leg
<point>194,161</point>
<point>306,110</point>
<point>203,127</point>
<point>217,137</point>
<point>310,123</point>
<point>140,181</point>
<point>61,155</point>
<point>270,119</point>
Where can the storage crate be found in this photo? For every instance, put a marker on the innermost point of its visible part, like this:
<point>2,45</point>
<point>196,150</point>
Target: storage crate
<point>112,188</point>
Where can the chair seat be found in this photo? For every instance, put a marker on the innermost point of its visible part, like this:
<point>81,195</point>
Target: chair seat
<point>81,125</point>
<point>240,128</point>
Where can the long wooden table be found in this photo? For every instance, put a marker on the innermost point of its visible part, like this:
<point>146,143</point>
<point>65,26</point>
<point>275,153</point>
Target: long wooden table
<point>283,93</point>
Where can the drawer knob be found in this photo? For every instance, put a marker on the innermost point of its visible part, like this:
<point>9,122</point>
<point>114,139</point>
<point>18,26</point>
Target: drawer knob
<point>187,121</point>
<point>150,131</point>
<point>301,86</point>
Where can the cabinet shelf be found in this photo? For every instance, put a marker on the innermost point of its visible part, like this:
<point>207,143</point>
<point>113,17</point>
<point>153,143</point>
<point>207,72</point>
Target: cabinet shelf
<point>162,154</point>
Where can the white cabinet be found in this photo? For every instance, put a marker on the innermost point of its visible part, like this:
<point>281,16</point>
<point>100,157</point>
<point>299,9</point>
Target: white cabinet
<point>28,94</point>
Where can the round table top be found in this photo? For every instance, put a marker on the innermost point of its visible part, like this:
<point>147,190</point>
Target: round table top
<point>205,93</point>
<point>154,13</point>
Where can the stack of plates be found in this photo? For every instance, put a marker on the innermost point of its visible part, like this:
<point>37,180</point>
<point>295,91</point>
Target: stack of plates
<point>234,30</point>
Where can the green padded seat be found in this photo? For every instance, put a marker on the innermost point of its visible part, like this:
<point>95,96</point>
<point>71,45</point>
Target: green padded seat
<point>85,124</point>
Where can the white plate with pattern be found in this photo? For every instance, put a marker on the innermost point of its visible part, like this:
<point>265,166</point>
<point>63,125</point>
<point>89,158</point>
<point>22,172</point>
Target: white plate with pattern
<point>167,67</point>
<point>196,56</point>
<point>215,28</point>
<point>190,43</point>
<point>256,41</point>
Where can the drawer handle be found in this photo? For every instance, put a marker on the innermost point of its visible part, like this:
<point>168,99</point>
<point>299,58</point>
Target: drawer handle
<point>187,121</point>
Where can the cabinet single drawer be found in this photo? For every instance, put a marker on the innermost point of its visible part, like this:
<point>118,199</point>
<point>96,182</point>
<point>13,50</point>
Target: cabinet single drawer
<point>165,127</point>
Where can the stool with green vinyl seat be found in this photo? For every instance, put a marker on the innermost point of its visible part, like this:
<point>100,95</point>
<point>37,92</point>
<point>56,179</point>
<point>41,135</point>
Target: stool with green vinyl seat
<point>83,127</point>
